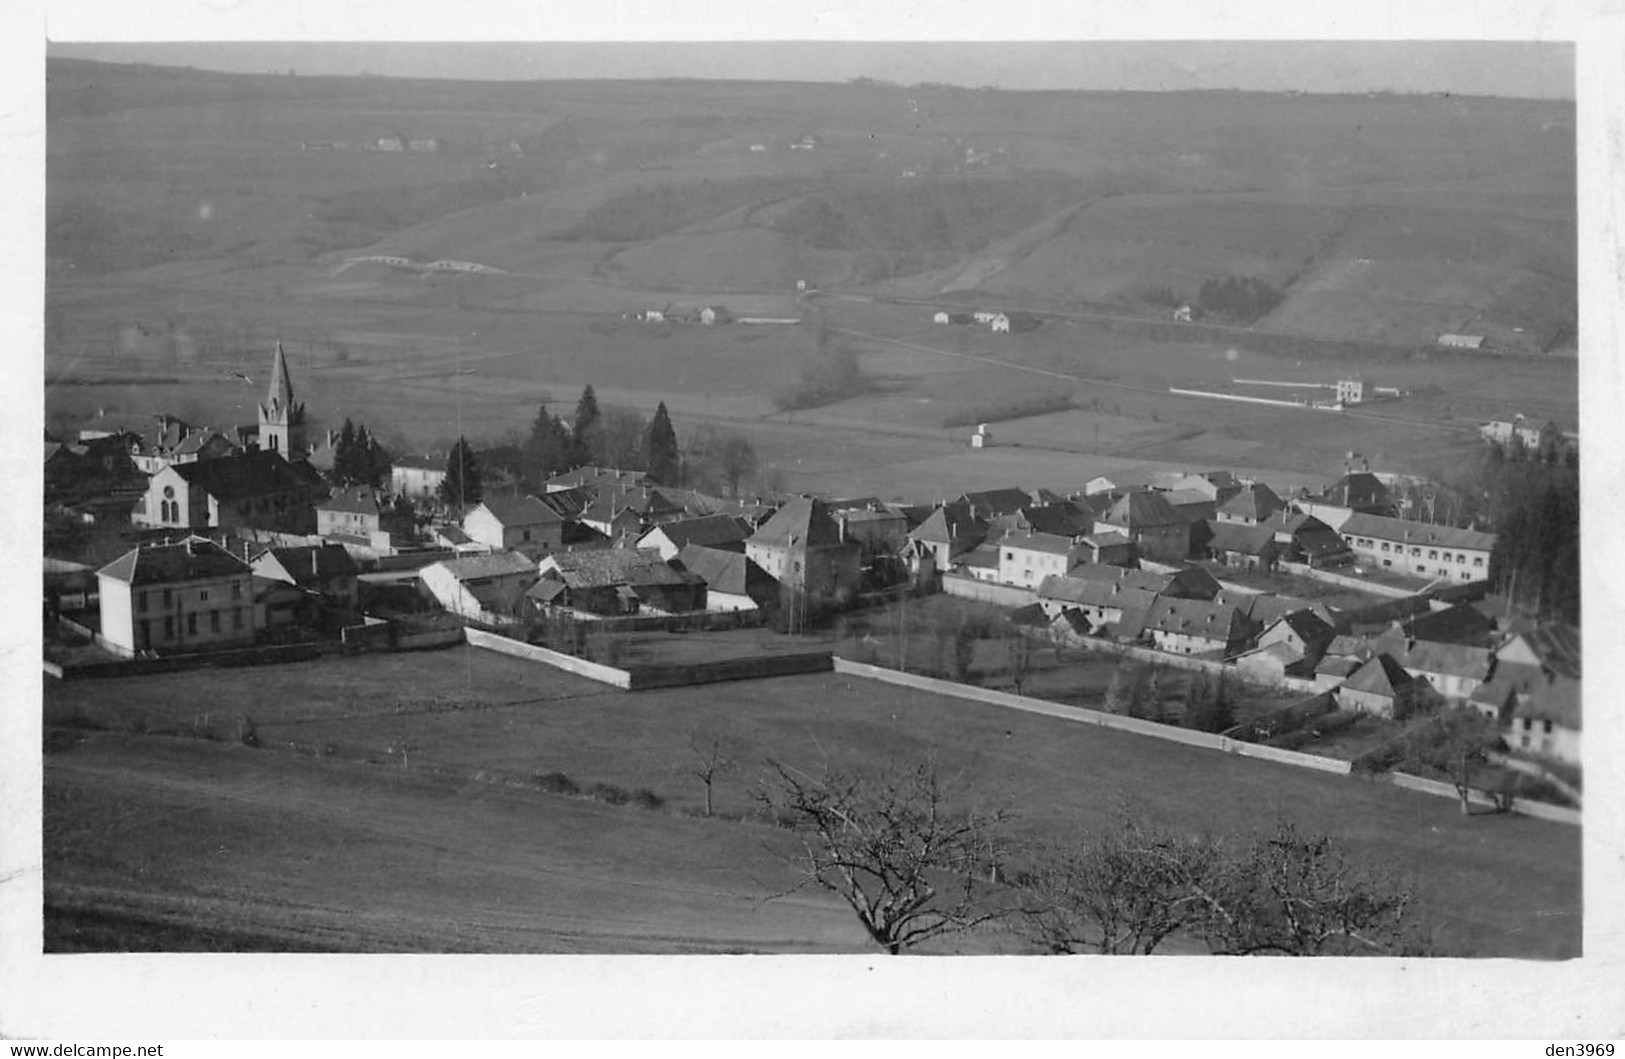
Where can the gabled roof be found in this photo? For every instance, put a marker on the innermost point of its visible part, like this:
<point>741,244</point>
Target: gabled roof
<point>414,462</point>
<point>313,564</point>
<point>1082,592</point>
<point>953,525</point>
<point>569,503</point>
<point>1415,533</point>
<point>193,559</point>
<point>1142,510</point>
<point>1256,502</point>
<point>1357,489</point>
<point>1309,628</point>
<point>1460,624</point>
<point>1048,543</point>
<point>983,557</point>
<point>1198,617</point>
<point>1144,580</point>
<point>612,566</point>
<point>708,530</point>
<point>249,474</point>
<point>1447,659</point>
<point>989,502</point>
<point>723,571</point>
<point>802,522</point>
<point>360,500</point>
<point>513,511</point>
<point>1063,518</point>
<point>497,564</point>
<point>1380,675</point>
<point>1240,538</point>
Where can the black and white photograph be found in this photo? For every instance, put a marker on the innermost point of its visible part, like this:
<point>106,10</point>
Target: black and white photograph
<point>834,503</point>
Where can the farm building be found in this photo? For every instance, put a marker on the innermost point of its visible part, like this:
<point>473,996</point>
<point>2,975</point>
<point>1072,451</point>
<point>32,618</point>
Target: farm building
<point>947,533</point>
<point>1306,539</point>
<point>485,588</point>
<point>323,570</point>
<point>716,532</point>
<point>1354,389</point>
<point>350,514</point>
<point>188,596</point>
<point>1147,519</point>
<point>1251,506</point>
<point>1453,341</point>
<point>617,581</point>
<point>1544,438</point>
<point>1198,627</point>
<point>732,582</point>
<point>1242,546</point>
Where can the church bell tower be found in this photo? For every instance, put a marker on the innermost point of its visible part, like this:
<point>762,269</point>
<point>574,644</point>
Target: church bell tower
<point>282,421</point>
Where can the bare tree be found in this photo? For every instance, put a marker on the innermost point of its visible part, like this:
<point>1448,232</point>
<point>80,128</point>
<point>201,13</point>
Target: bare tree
<point>736,461</point>
<point>710,759</point>
<point>1288,893</point>
<point>1124,893</point>
<point>1456,742</point>
<point>892,846</point>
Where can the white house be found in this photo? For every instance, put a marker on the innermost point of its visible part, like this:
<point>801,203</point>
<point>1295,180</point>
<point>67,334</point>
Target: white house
<point>506,522</point>
<point>1025,559</point>
<point>1000,324</point>
<point>189,596</point>
<point>1462,341</point>
<point>1419,548</point>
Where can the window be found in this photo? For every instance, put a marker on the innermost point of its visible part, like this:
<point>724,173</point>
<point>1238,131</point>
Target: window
<point>168,599</point>
<point>1548,728</point>
<point>203,593</point>
<point>191,624</point>
<point>146,633</point>
<point>1524,742</point>
<point>236,590</point>
<point>1388,562</point>
<point>236,617</point>
<point>1478,560</point>
<point>1384,545</point>
<point>1416,551</point>
<point>141,602</point>
<point>1433,553</point>
<point>1009,557</point>
<point>527,535</point>
<point>1527,724</point>
<point>169,627</point>
<point>214,621</point>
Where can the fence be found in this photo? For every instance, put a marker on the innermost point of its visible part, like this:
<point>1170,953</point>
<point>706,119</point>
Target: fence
<point>1525,807</point>
<point>1169,733</point>
<point>1358,584</point>
<point>987,591</point>
<point>619,678</point>
<point>248,656</point>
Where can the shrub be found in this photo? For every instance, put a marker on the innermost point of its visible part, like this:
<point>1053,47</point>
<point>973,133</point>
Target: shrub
<point>557,783</point>
<point>248,732</point>
<point>608,792</point>
<point>644,798</point>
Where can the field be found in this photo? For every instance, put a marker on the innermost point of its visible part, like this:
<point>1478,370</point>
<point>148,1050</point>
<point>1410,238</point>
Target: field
<point>193,219</point>
<point>326,851</point>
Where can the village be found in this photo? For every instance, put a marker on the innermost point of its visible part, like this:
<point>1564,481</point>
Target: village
<point>1338,628</point>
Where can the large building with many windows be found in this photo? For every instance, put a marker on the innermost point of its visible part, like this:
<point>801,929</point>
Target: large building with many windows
<point>192,595</point>
<point>1418,548</point>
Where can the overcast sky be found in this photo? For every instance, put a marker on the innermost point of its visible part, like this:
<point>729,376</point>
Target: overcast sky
<point>1524,69</point>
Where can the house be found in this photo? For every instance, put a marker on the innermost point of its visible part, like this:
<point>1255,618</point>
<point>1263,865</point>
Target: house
<point>1381,686</point>
<point>1250,506</point>
<point>806,549</point>
<point>622,513</point>
<point>524,523</point>
<point>616,581</point>
<point>732,581</point>
<point>1454,341</point>
<point>1306,539</point>
<point>877,528</point>
<point>1192,505</point>
<point>388,143</point>
<point>1419,548</point>
<point>1461,624</point>
<point>486,588</point>
<point>260,490</point>
<point>717,532</point>
<point>1213,486</point>
<point>1025,559</point>
<point>596,478</point>
<point>1305,635</point>
<point>323,570</point>
<point>1157,530</point>
<point>990,503</point>
<point>353,514</point>
<point>714,314</point>
<point>940,318</point>
<point>429,144</point>
<point>1182,314</point>
<point>1236,544</point>
<point>1198,627</point>
<point>417,477</point>
<point>1101,603</point>
<point>175,441</point>
<point>1454,671</point>
<point>1543,438</point>
<point>68,585</point>
<point>1111,548</point>
<point>946,535</point>
<point>1000,324</point>
<point>1354,389</point>
<point>1188,582</point>
<point>172,598</point>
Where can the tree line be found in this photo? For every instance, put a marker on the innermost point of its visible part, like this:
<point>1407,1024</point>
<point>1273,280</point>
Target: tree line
<point>708,459</point>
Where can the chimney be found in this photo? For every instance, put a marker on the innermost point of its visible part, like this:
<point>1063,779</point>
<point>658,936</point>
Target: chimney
<point>315,568</point>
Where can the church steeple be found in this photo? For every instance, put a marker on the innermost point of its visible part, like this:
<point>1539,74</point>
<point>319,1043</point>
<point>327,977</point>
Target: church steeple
<point>282,419</point>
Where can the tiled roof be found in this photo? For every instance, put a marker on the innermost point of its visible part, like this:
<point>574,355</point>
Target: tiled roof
<point>309,564</point>
<point>1141,510</point>
<point>250,474</point>
<point>952,525</point>
<point>708,530</point>
<point>1256,502</point>
<point>613,566</point>
<point>800,522</point>
<point>1048,543</point>
<point>997,501</point>
<point>193,559</point>
<point>360,500</point>
<point>1198,617</point>
<point>1141,579</point>
<point>1423,534</point>
<point>497,564</point>
<point>1380,675</point>
<point>722,571</point>
<point>1425,656</point>
<point>1093,593</point>
<point>1237,537</point>
<point>513,511</point>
